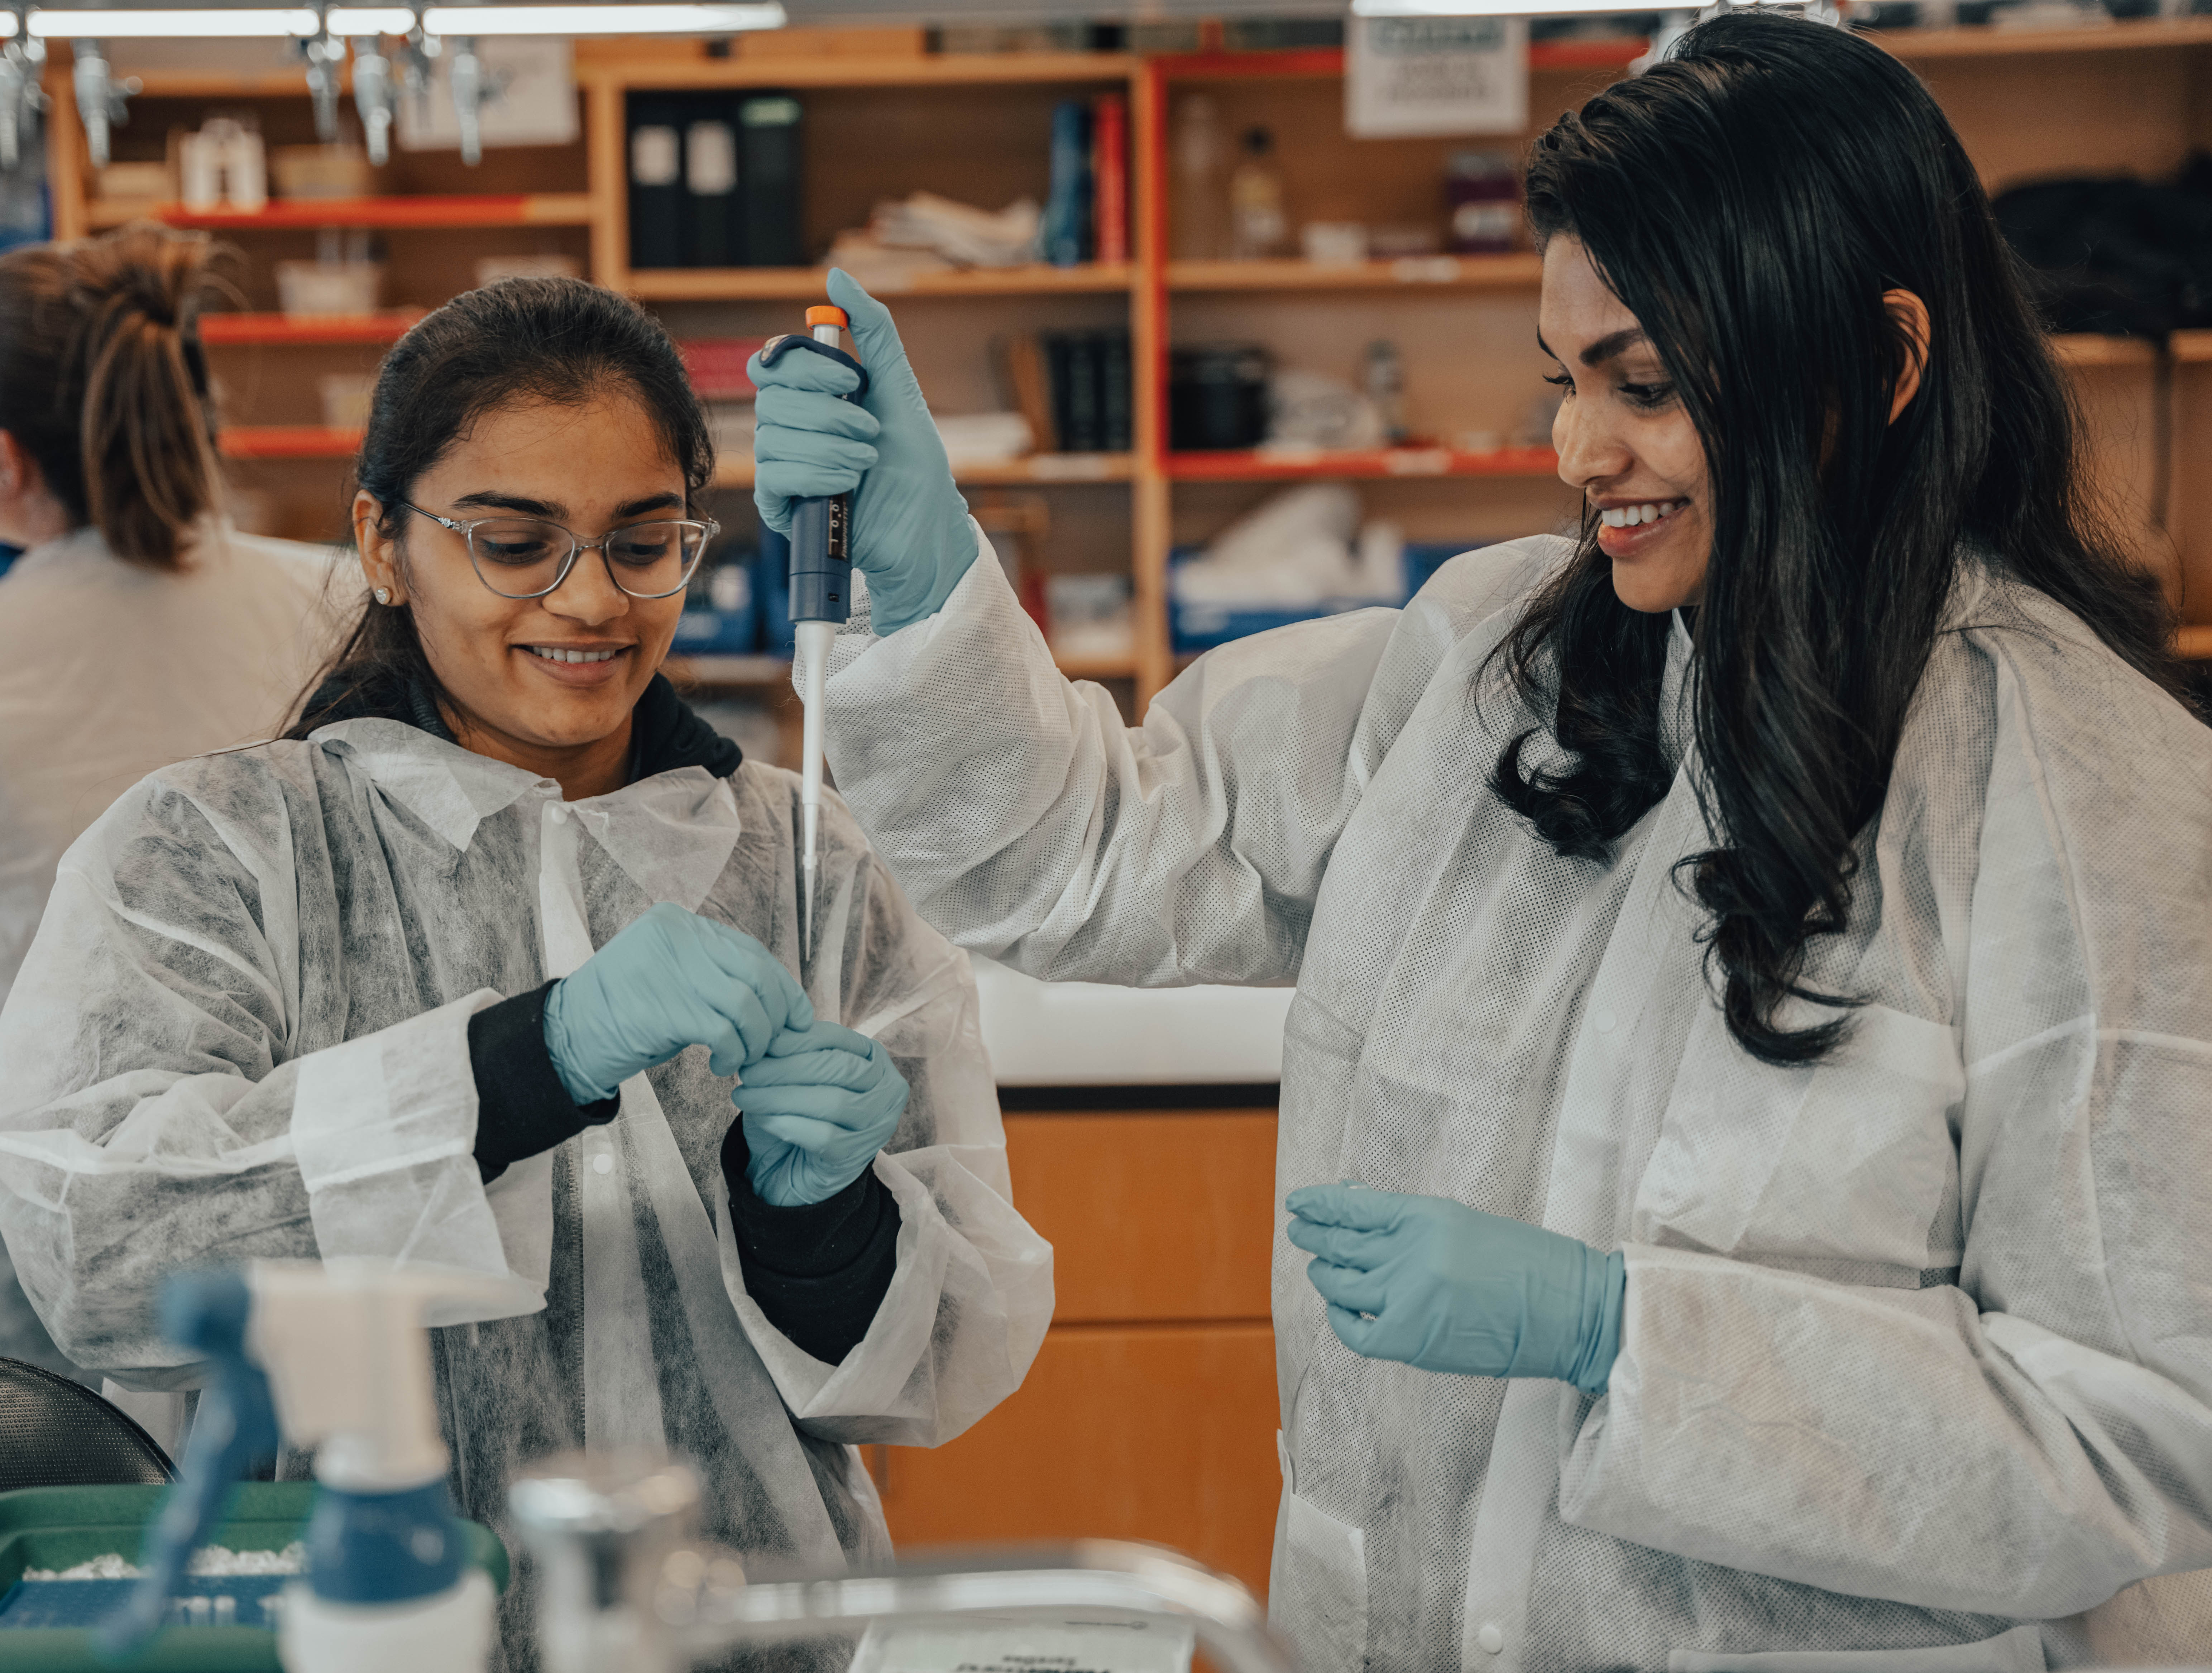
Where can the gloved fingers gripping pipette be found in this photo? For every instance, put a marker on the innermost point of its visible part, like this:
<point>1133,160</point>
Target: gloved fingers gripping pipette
<point>821,596</point>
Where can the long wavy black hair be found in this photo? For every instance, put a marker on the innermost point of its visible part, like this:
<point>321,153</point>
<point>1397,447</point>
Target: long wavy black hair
<point>1750,199</point>
<point>559,341</point>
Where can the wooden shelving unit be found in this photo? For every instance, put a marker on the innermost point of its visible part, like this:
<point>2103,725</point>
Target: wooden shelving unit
<point>2025,102</point>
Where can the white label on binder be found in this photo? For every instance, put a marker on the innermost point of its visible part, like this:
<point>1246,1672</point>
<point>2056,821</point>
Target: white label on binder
<point>653,157</point>
<point>710,159</point>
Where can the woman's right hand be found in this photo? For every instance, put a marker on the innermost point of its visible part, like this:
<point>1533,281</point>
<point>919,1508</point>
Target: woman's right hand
<point>910,533</point>
<point>671,979</point>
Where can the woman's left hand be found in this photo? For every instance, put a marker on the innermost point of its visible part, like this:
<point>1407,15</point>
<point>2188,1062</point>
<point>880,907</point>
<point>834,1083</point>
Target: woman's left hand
<point>1434,1283</point>
<point>816,1109</point>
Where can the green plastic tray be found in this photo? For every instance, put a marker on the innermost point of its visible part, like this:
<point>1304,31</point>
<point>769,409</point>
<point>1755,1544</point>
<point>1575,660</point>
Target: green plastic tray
<point>61,1527</point>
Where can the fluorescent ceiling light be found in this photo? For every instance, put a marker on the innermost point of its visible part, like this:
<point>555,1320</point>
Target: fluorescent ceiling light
<point>210,25</point>
<point>1518,7</point>
<point>615,20</point>
<point>102,23</point>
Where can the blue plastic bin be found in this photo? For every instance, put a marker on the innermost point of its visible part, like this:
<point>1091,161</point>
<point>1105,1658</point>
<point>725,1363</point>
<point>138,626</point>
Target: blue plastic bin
<point>721,612</point>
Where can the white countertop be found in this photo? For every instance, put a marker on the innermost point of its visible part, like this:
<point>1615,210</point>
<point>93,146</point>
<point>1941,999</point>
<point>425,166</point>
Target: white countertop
<point>1083,1034</point>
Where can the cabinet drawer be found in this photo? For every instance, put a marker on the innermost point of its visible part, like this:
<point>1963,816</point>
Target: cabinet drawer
<point>1157,1215</point>
<point>1150,1432</point>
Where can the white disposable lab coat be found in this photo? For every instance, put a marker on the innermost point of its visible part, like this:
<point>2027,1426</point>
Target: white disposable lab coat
<point>243,1032</point>
<point>1919,1341</point>
<point>109,670</point>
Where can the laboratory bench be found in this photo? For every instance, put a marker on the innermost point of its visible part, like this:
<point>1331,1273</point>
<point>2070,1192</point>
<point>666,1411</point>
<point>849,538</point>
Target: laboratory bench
<point>1150,1411</point>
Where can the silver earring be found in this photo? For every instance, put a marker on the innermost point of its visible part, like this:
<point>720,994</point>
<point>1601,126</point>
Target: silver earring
<point>384,595</point>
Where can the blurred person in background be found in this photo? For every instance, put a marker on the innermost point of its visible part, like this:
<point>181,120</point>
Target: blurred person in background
<point>137,627</point>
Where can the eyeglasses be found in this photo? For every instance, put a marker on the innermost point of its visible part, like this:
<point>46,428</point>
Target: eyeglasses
<point>527,557</point>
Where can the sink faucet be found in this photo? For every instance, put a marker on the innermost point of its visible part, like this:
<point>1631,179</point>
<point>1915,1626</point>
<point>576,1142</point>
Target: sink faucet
<point>624,1587</point>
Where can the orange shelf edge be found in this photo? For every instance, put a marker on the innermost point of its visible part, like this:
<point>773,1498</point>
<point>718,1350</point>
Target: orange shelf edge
<point>289,441</point>
<point>242,330</point>
<point>546,209</point>
<point>1380,462</point>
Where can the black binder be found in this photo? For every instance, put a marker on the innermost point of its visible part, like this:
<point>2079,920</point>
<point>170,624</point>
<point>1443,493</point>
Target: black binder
<point>714,199</point>
<point>768,163</point>
<point>655,143</point>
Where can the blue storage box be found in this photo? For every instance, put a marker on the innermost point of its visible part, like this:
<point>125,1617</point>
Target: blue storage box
<point>1199,627</point>
<point>721,613</point>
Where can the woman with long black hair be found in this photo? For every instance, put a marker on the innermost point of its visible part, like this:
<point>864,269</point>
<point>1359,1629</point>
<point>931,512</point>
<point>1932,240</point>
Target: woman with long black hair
<point>1755,958</point>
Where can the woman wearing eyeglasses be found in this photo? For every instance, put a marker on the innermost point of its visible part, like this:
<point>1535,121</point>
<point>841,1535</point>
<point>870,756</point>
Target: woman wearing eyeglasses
<point>462,971</point>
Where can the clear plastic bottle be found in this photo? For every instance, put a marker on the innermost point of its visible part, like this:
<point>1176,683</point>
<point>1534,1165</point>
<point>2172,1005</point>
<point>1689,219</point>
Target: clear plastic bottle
<point>1257,223</point>
<point>1200,190</point>
<point>1384,375</point>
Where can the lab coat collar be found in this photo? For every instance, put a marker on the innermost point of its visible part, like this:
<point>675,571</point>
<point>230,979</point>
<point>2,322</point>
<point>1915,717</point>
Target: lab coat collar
<point>672,833</point>
<point>89,542</point>
<point>1678,728</point>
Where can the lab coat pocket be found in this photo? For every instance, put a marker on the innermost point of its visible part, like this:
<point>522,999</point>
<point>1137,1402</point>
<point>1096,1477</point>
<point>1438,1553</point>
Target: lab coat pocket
<point>2019,1651</point>
<point>1318,1591</point>
<point>1852,1160</point>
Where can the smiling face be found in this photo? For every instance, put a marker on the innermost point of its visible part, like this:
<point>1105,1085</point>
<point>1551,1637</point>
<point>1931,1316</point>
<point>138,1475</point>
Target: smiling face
<point>545,683</point>
<point>1624,440</point>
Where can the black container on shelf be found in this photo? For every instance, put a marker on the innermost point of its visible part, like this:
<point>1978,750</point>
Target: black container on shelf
<point>716,181</point>
<point>1217,396</point>
<point>656,180</point>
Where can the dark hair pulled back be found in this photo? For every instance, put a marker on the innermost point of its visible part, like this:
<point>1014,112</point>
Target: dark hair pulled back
<point>558,341</point>
<point>103,382</point>
<point>1754,245</point>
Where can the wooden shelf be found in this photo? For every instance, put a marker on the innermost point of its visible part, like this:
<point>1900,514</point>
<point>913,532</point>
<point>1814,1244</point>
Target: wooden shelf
<point>2087,349</point>
<point>535,208</point>
<point>738,284</point>
<point>2194,643</point>
<point>2141,34</point>
<point>735,672</point>
<point>728,671</point>
<point>289,441</point>
<point>1036,469</point>
<point>1520,271</point>
<point>1321,63</point>
<point>2191,348</point>
<point>286,331</point>
<point>1280,465</point>
<point>930,69</point>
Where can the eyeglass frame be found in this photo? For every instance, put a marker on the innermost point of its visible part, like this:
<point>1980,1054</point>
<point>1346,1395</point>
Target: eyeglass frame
<point>577,547</point>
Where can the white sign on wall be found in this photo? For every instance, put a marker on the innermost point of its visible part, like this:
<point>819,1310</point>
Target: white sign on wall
<point>1413,77</point>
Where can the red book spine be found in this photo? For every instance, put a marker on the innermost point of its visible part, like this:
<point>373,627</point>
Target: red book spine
<point>1109,178</point>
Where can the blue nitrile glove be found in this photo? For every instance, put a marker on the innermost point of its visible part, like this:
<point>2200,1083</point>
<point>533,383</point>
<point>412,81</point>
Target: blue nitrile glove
<point>1438,1285</point>
<point>910,533</point>
<point>817,1107</point>
<point>672,979</point>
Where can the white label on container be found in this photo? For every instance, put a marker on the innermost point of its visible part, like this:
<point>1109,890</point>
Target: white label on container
<point>710,159</point>
<point>653,157</point>
<point>986,1644</point>
<point>1426,76</point>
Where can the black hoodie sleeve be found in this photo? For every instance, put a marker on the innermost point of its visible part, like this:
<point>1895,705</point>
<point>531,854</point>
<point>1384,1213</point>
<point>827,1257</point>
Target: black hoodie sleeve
<point>818,1271</point>
<point>522,1108</point>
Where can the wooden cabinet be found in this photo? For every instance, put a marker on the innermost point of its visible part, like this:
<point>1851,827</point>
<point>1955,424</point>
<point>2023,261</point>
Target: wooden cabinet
<point>1151,1411</point>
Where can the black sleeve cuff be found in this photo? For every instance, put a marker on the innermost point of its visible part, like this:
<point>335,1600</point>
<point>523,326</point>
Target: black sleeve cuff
<point>522,1108</point>
<point>818,1271</point>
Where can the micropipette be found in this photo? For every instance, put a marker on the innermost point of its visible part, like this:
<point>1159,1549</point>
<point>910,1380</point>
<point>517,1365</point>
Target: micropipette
<point>821,599</point>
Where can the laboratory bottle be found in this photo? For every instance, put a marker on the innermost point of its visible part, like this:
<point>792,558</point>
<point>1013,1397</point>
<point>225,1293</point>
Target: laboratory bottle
<point>1385,380</point>
<point>1482,193</point>
<point>1257,223</point>
<point>1201,188</point>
